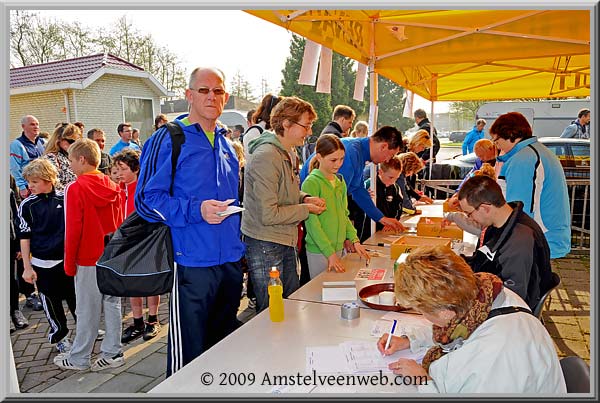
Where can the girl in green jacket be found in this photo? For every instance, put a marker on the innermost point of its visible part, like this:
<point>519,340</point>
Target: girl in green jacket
<point>327,232</point>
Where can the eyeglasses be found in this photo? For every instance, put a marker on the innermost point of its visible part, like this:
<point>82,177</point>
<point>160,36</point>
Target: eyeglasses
<point>205,90</point>
<point>475,209</point>
<point>495,139</point>
<point>306,127</point>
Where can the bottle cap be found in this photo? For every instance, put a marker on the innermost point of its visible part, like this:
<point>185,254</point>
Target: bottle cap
<point>274,272</point>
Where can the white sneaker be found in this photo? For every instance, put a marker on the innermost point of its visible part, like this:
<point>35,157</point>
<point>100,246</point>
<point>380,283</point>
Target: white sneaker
<point>64,362</point>
<point>104,363</point>
<point>64,346</point>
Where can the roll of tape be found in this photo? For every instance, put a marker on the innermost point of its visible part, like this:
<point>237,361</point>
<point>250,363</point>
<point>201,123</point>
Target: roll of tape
<point>350,310</point>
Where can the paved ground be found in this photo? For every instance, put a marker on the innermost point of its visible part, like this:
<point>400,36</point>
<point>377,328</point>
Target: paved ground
<point>567,320</point>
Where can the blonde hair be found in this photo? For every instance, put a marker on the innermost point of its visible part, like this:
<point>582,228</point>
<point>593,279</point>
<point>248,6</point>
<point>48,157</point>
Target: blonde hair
<point>435,278</point>
<point>41,168</point>
<point>361,129</point>
<point>239,152</point>
<point>62,131</point>
<point>411,162</point>
<point>487,170</point>
<point>420,138</point>
<point>88,149</point>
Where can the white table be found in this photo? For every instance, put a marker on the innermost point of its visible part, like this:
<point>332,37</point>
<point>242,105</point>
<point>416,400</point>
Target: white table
<point>262,347</point>
<point>410,221</point>
<point>312,291</point>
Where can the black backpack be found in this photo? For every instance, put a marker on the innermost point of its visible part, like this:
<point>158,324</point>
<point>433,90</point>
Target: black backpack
<point>258,127</point>
<point>138,259</point>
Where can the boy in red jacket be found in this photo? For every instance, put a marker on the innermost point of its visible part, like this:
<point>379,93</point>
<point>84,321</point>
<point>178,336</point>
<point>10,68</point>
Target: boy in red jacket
<point>93,210</point>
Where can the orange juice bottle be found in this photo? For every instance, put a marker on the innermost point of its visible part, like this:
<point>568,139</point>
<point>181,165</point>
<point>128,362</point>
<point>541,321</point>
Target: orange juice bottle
<point>275,289</point>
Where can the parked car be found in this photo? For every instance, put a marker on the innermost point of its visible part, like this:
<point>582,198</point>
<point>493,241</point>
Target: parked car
<point>458,136</point>
<point>573,154</point>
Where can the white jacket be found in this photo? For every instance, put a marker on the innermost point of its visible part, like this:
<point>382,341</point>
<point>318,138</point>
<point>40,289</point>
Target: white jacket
<point>510,353</point>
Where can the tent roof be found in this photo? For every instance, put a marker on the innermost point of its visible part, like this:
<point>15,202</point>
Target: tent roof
<point>454,55</point>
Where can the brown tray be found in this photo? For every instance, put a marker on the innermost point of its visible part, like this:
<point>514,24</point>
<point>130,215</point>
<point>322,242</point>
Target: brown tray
<point>375,289</point>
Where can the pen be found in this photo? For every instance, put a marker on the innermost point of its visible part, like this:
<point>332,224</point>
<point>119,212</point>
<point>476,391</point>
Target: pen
<point>389,339</point>
<point>383,244</point>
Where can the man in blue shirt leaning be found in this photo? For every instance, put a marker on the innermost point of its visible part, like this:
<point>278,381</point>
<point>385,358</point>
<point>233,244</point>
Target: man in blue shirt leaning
<point>380,147</point>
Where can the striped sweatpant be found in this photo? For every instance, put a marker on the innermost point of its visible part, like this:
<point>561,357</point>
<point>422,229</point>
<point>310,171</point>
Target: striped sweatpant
<point>202,310</point>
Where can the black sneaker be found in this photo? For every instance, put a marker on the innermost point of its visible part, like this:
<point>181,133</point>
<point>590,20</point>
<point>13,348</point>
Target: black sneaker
<point>131,333</point>
<point>19,319</point>
<point>151,330</point>
<point>33,301</point>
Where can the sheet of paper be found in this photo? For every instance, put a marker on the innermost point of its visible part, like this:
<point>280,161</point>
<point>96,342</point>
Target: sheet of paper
<point>363,356</point>
<point>370,274</point>
<point>230,210</point>
<point>326,360</point>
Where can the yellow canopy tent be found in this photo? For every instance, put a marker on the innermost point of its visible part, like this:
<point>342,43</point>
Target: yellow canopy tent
<point>454,55</point>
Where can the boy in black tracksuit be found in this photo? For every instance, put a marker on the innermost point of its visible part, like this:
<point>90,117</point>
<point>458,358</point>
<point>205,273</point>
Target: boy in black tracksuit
<point>388,197</point>
<point>42,231</point>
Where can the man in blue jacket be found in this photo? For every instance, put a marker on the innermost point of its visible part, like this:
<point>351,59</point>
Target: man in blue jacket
<point>380,147</point>
<point>207,247</point>
<point>24,149</point>
<point>471,138</point>
<point>532,174</point>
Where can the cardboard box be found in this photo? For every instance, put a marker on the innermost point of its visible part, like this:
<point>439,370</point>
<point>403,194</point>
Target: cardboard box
<point>447,209</point>
<point>406,243</point>
<point>432,226</point>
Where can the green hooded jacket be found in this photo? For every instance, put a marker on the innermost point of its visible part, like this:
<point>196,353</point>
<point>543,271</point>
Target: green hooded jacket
<point>326,232</point>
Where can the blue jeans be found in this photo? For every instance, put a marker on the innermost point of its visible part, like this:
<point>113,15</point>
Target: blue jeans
<point>261,256</point>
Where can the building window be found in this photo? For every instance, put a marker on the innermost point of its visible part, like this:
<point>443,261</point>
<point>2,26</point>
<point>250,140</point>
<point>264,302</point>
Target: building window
<point>140,113</point>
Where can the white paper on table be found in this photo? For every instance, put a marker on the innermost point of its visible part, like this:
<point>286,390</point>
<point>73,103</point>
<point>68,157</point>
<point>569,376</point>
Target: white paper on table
<point>363,356</point>
<point>230,210</point>
<point>326,360</point>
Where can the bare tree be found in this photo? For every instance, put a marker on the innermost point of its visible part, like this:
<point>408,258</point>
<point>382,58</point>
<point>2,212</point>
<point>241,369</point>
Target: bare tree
<point>36,40</point>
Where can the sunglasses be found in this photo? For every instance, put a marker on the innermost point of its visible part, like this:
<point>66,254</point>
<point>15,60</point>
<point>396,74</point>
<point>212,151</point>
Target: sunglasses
<point>70,141</point>
<point>206,90</point>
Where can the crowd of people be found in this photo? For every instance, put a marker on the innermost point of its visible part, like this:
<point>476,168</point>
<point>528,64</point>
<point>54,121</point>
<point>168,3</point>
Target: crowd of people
<point>301,216</point>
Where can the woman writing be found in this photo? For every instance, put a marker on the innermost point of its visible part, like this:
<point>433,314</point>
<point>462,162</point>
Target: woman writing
<point>467,352</point>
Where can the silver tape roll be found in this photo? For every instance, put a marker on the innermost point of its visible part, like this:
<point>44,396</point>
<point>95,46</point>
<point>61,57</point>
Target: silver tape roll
<point>350,310</point>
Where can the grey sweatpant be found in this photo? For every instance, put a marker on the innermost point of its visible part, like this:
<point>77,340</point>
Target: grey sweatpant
<point>317,262</point>
<point>90,302</point>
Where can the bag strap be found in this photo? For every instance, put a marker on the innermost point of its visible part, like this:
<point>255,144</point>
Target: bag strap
<point>506,310</point>
<point>177,139</point>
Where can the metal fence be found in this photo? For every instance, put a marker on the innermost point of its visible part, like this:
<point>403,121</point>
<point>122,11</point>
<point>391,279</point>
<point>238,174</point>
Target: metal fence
<point>579,199</point>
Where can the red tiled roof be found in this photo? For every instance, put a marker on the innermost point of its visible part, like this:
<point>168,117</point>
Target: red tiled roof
<point>69,70</point>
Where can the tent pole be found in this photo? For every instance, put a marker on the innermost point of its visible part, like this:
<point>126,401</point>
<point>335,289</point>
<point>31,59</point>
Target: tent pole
<point>431,136</point>
<point>373,101</point>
